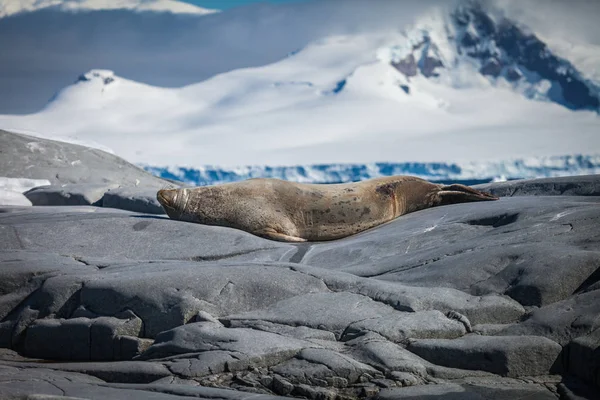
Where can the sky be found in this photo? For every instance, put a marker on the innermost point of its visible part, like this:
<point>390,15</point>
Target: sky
<point>226,4</point>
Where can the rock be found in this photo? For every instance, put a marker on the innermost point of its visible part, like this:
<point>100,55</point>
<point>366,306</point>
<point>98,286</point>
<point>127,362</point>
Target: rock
<point>498,389</point>
<point>115,372</point>
<point>373,349</point>
<point>69,194</point>
<point>217,349</point>
<point>492,249</point>
<point>398,329</point>
<point>86,339</point>
<point>281,386</point>
<point>511,356</point>
<point>163,295</point>
<point>333,312</point>
<point>64,385</point>
<point>232,310</point>
<point>584,357</point>
<point>136,199</point>
<point>116,235</point>
<point>64,163</point>
<point>478,309</point>
<point>322,367</point>
<point>561,321</point>
<point>447,391</point>
<point>585,185</point>
<point>574,389</point>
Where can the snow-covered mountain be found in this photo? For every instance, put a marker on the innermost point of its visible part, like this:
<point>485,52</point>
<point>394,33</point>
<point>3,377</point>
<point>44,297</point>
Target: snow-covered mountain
<point>500,50</point>
<point>438,86</point>
<point>11,7</point>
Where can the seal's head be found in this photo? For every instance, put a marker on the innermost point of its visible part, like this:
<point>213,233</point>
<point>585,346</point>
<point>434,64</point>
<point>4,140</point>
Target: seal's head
<point>168,199</point>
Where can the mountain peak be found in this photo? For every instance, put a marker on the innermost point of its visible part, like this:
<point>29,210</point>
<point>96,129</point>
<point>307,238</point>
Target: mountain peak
<point>104,75</point>
<point>503,52</point>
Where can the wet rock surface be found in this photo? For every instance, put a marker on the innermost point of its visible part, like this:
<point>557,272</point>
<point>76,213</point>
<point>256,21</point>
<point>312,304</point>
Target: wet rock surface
<point>495,300</point>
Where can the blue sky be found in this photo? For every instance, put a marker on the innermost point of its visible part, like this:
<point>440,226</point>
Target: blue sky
<point>225,4</point>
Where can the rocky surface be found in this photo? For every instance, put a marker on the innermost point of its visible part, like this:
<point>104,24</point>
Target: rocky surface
<point>585,185</point>
<point>495,300</point>
<point>25,156</point>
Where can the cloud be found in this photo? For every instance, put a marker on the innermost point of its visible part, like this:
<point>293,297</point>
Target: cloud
<point>573,20</point>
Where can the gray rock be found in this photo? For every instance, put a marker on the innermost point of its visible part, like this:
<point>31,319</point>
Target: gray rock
<point>298,332</point>
<point>115,372</point>
<point>232,310</point>
<point>584,357</point>
<point>478,309</point>
<point>210,348</point>
<point>333,312</point>
<point>535,250</point>
<point>561,321</point>
<point>511,356</point>
<point>162,294</point>
<point>574,389</point>
<point>85,339</point>
<point>322,367</point>
<point>448,391</point>
<point>586,185</point>
<point>374,350</point>
<point>168,294</point>
<point>401,327</point>
<point>80,194</point>
<point>64,163</point>
<point>61,384</point>
<point>136,199</point>
<point>497,389</point>
<point>118,235</point>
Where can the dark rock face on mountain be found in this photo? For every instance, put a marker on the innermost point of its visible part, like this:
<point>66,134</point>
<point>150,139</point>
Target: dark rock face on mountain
<point>503,50</point>
<point>495,300</point>
<point>507,50</point>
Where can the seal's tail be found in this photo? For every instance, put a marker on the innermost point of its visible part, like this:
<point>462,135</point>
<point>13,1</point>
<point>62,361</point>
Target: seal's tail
<point>453,194</point>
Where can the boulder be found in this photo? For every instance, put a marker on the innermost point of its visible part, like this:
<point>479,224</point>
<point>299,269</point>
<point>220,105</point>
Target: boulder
<point>585,185</point>
<point>511,356</point>
<point>61,163</point>
<point>81,194</point>
<point>136,199</point>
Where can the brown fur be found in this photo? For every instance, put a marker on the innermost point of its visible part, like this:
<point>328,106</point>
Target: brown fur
<point>295,212</point>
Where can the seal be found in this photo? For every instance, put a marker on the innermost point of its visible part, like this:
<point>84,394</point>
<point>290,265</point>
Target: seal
<point>296,212</point>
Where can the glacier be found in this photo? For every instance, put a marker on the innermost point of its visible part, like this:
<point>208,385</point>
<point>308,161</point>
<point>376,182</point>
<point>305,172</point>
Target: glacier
<point>464,172</point>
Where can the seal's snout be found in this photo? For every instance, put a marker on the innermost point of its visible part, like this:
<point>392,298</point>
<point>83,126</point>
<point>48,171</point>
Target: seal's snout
<point>167,199</point>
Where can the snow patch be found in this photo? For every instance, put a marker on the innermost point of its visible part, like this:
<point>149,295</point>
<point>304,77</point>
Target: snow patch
<point>21,185</point>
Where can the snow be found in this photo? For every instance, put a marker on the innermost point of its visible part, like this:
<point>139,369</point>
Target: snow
<point>21,185</point>
<point>335,101</point>
<point>285,114</point>
<point>11,198</point>
<point>11,7</point>
<point>12,189</point>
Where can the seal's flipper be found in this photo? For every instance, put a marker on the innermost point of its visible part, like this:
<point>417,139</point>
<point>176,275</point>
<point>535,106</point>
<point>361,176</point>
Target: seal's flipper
<point>273,235</point>
<point>454,194</point>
